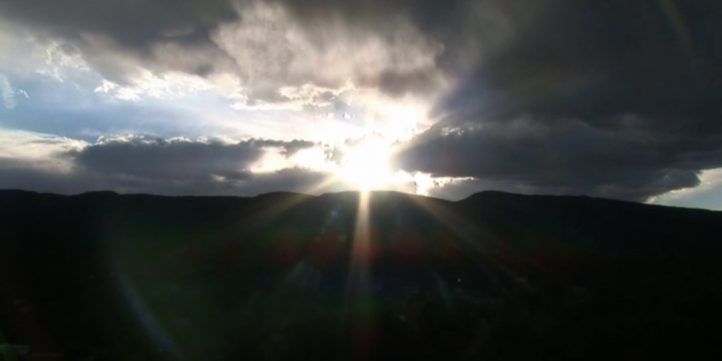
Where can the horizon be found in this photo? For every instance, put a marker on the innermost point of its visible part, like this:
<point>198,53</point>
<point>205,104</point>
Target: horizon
<point>369,193</point>
<point>239,98</point>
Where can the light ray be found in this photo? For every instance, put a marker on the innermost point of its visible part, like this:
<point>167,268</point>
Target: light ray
<point>358,304</point>
<point>360,249</point>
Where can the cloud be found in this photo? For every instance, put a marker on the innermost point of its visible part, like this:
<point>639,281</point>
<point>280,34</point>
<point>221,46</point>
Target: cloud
<point>132,27</point>
<point>599,60</point>
<point>568,156</point>
<point>180,166</point>
<point>178,159</point>
<point>238,68</point>
<point>9,95</point>
<point>329,56</point>
<point>265,45</point>
<point>16,175</point>
<point>149,165</point>
<point>612,99</point>
<point>38,149</point>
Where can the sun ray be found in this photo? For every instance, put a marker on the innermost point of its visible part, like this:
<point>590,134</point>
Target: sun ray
<point>358,303</point>
<point>360,248</point>
<point>322,185</point>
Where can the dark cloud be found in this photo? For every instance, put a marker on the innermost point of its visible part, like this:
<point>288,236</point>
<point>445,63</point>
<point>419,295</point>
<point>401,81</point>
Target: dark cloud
<point>15,174</point>
<point>133,24</point>
<point>568,157</point>
<point>131,28</point>
<point>173,167</point>
<point>170,159</point>
<point>179,159</point>
<point>25,176</point>
<point>610,98</point>
<point>599,59</point>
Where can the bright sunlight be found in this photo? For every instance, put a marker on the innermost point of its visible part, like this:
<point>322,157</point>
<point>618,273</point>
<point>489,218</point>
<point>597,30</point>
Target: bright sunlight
<point>367,164</point>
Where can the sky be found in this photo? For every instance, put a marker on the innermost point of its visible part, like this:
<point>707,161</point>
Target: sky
<point>613,99</point>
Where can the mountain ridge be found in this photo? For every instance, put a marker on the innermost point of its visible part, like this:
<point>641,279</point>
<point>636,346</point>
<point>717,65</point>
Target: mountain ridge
<point>493,194</point>
<point>110,276</point>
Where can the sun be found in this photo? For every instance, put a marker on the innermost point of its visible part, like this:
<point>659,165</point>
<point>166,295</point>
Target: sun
<point>367,164</point>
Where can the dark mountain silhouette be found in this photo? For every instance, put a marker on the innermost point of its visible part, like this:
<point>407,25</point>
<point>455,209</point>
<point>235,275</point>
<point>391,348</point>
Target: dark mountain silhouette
<point>496,276</point>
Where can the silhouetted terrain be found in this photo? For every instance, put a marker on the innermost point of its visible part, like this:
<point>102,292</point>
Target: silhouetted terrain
<point>286,276</point>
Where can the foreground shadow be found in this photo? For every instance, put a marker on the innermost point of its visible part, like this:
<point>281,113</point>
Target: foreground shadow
<point>354,276</point>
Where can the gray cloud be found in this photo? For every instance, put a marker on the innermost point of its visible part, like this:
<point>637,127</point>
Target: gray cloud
<point>608,98</point>
<point>24,176</point>
<point>134,27</point>
<point>170,159</point>
<point>268,45</point>
<point>595,60</point>
<point>135,24</point>
<point>147,165</point>
<point>567,157</point>
<point>178,159</point>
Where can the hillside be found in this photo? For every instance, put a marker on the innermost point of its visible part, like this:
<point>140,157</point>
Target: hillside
<point>496,276</point>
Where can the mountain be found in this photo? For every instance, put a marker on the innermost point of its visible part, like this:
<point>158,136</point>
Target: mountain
<point>496,276</point>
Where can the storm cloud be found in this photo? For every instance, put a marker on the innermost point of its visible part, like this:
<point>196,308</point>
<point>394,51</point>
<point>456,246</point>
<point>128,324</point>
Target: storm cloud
<point>139,164</point>
<point>178,159</point>
<point>607,98</point>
